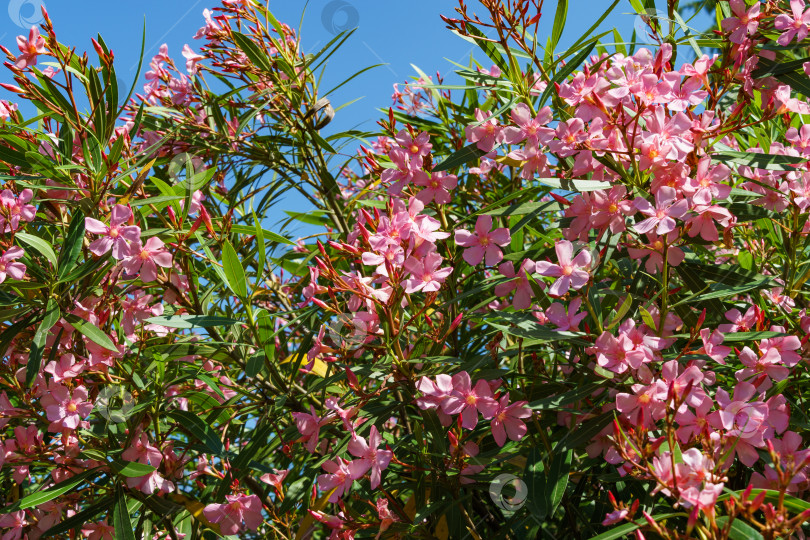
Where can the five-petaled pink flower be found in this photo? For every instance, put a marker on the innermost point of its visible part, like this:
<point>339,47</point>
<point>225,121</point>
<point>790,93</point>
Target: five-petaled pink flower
<point>240,512</point>
<point>743,22</point>
<point>116,235</point>
<point>10,268</point>
<point>795,26</point>
<point>65,409</point>
<point>147,258</point>
<point>340,475</point>
<point>508,420</point>
<point>572,273</point>
<point>30,48</point>
<point>467,400</point>
<point>15,208</point>
<point>370,456</point>
<point>426,276</point>
<point>484,242</point>
<point>662,216</point>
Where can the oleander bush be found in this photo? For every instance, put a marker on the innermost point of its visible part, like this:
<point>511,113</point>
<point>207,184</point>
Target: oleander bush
<point>563,296</point>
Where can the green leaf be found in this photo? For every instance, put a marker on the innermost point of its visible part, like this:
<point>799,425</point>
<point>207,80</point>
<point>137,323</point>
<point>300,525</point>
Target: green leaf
<point>192,321</point>
<point>40,497</point>
<point>197,427</point>
<point>560,401</point>
<point>750,336</point>
<point>556,481</point>
<point>51,317</point>
<point>627,528</point>
<point>234,271</point>
<point>574,185</point>
<point>740,530</point>
<point>534,478</point>
<point>254,365</point>
<point>38,244</point>
<point>488,47</point>
<point>252,51</point>
<point>131,469</point>
<point>121,521</point>
<point>73,244</point>
<point>92,332</point>
<point>559,22</point>
<point>771,162</point>
<point>460,157</point>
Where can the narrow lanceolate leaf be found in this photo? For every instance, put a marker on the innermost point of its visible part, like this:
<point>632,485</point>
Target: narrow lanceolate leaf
<point>72,247</point>
<point>459,158</point>
<point>131,469</point>
<point>92,332</point>
<point>622,530</point>
<point>740,530</point>
<point>771,162</point>
<point>38,244</point>
<point>197,427</point>
<point>121,520</point>
<point>574,185</point>
<point>234,271</point>
<point>559,22</point>
<point>534,478</point>
<point>40,497</point>
<point>38,342</point>
<point>191,321</point>
<point>252,51</point>
<point>557,481</point>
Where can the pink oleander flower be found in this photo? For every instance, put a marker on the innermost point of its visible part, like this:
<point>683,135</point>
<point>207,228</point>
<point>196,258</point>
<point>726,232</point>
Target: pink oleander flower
<point>10,268</point>
<point>566,319</point>
<point>192,59</point>
<point>483,243</point>
<point>426,276</point>
<point>340,475</point>
<point>275,479</point>
<point>436,187</point>
<point>65,409</point>
<point>116,235</point>
<point>239,513</point>
<point>15,523</point>
<point>743,420</point>
<point>417,147</point>
<point>468,400</point>
<point>528,128</point>
<point>742,23</point>
<point>370,456</point>
<point>645,404</point>
<point>13,209</point>
<point>662,216</point>
<point>655,249</point>
<point>309,426</point>
<point>769,363</point>
<point>507,420</point>
<point>30,48</point>
<point>572,273</point>
<point>518,282</point>
<point>703,223</point>
<point>610,209</point>
<point>795,26</point>
<point>146,258</point>
<point>486,134</point>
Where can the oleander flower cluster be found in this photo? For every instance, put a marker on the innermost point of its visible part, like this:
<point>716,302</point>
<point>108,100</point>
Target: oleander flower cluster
<point>580,271</point>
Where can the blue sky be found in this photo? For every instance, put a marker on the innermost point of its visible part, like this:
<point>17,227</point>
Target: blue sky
<point>385,33</point>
